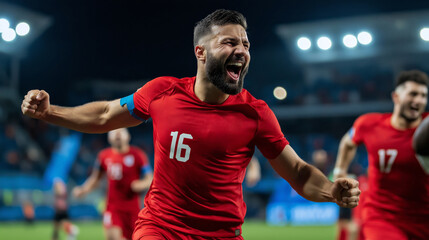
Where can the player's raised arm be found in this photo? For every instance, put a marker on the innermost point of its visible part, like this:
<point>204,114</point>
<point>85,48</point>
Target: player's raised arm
<point>346,153</point>
<point>94,117</point>
<point>310,183</point>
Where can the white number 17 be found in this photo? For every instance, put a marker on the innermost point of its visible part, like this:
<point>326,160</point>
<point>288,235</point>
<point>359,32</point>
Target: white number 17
<point>180,146</point>
<point>386,167</point>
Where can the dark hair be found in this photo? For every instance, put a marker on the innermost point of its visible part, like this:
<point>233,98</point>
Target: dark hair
<point>412,75</point>
<point>219,17</point>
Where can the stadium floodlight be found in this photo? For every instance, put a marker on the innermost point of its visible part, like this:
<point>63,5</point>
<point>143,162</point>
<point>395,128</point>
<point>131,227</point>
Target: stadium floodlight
<point>350,41</point>
<point>280,93</point>
<point>4,24</point>
<point>22,28</point>
<point>8,35</point>
<point>424,34</point>
<point>304,43</point>
<point>364,38</point>
<point>324,43</point>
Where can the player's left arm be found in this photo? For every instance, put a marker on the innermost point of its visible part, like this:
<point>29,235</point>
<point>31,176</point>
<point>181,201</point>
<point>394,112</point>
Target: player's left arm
<point>312,184</point>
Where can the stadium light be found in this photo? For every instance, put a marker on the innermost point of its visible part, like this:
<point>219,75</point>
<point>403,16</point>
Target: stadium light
<point>304,43</point>
<point>424,34</point>
<point>324,43</point>
<point>364,38</point>
<point>4,24</point>
<point>280,93</point>
<point>8,35</point>
<point>350,41</point>
<point>22,28</point>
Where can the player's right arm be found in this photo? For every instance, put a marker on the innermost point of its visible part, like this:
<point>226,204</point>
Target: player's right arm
<point>93,117</point>
<point>90,184</point>
<point>346,153</point>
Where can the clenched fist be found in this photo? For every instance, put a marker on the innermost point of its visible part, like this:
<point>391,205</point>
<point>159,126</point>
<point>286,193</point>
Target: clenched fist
<point>36,104</point>
<point>345,192</point>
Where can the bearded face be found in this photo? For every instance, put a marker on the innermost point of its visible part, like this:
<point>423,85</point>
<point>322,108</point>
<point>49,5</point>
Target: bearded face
<point>227,75</point>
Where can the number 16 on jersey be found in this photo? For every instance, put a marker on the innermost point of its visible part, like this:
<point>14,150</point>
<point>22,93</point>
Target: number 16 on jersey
<point>176,153</point>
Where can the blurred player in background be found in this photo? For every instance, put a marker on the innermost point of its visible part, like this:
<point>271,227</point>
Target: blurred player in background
<point>396,205</point>
<point>205,132</point>
<point>61,217</point>
<point>124,165</point>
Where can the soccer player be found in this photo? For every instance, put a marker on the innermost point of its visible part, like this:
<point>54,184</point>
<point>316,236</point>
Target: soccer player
<point>396,204</point>
<point>61,217</point>
<point>205,132</point>
<point>124,165</point>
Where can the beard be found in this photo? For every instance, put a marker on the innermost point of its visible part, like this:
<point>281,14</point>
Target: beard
<point>407,118</point>
<point>216,72</point>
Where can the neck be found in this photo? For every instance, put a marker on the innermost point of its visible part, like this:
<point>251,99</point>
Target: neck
<point>122,148</point>
<point>207,92</point>
<point>401,123</point>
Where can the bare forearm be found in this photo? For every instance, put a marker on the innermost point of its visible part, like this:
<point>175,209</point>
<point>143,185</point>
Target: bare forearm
<point>346,153</point>
<point>312,184</point>
<point>89,118</point>
<point>90,184</point>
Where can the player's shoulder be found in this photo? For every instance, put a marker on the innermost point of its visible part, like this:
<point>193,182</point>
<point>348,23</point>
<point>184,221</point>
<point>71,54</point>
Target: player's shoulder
<point>246,98</point>
<point>160,85</point>
<point>103,153</point>
<point>251,104</point>
<point>169,80</point>
<point>371,118</point>
<point>135,149</point>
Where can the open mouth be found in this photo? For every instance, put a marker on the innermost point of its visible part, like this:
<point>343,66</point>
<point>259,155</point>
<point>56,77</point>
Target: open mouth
<point>234,70</point>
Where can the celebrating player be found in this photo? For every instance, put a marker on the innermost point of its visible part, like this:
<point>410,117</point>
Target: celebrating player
<point>124,165</point>
<point>396,204</point>
<point>205,132</point>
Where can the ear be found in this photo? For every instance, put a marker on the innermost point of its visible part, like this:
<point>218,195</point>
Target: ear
<point>395,97</point>
<point>200,53</point>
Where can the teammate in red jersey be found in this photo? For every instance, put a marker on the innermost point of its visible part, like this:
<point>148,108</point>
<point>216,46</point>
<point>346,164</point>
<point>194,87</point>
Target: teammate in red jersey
<point>205,132</point>
<point>396,204</point>
<point>124,165</point>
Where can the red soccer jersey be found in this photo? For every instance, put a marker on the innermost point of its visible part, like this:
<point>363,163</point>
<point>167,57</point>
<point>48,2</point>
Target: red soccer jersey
<point>201,154</point>
<point>398,187</point>
<point>122,169</point>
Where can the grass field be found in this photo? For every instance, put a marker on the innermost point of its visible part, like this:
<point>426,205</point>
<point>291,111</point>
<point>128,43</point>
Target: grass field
<point>94,231</point>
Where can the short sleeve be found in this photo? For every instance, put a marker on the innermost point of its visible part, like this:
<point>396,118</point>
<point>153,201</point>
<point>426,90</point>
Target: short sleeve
<point>356,132</point>
<point>138,103</point>
<point>269,137</point>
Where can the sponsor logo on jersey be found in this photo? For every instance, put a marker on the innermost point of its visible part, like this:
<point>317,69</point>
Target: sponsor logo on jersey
<point>129,160</point>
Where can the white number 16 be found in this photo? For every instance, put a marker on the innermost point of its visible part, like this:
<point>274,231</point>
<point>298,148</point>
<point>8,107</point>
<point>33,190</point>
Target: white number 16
<point>180,146</point>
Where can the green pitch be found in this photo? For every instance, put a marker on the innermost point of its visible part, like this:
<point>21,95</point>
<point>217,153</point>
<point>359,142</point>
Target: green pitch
<point>94,231</point>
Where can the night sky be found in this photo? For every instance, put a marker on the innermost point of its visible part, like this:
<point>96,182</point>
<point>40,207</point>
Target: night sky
<point>129,40</point>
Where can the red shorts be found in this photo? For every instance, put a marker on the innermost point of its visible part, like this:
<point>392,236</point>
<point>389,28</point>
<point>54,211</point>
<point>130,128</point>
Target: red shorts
<point>375,229</point>
<point>125,220</point>
<point>151,231</point>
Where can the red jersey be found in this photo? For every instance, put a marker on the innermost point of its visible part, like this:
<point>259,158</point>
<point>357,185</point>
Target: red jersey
<point>122,169</point>
<point>201,154</point>
<point>398,187</point>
